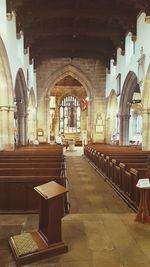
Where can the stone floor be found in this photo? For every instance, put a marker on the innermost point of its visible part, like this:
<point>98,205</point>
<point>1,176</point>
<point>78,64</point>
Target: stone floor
<point>100,230</point>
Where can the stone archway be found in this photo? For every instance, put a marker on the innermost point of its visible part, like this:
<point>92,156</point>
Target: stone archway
<point>66,71</point>
<point>111,116</point>
<point>146,111</point>
<point>77,74</point>
<point>21,109</point>
<point>32,135</point>
<point>6,102</point>
<point>128,89</point>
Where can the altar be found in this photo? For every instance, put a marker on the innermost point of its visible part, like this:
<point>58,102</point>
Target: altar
<point>71,144</point>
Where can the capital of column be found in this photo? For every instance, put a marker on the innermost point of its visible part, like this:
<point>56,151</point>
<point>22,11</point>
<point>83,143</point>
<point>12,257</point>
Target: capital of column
<point>146,111</point>
<point>7,108</point>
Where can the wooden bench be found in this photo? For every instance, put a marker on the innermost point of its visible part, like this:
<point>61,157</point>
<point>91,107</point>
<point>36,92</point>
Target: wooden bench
<point>24,169</point>
<point>16,186</point>
<point>117,163</point>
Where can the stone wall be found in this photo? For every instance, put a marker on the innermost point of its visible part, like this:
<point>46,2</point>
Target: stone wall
<point>89,72</point>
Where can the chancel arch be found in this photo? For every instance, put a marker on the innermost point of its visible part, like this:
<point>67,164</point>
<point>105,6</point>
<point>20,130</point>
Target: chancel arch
<point>82,89</point>
<point>68,113</point>
<point>111,117</point>
<point>21,103</point>
<point>6,102</point>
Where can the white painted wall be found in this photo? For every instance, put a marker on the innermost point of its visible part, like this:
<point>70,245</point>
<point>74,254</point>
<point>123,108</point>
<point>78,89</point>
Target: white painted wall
<point>129,61</point>
<point>17,55</point>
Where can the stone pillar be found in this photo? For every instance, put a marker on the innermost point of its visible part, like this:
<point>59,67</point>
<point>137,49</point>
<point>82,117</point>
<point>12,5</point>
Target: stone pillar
<point>25,128</point>
<point>91,120</point>
<point>21,129</point>
<point>47,120</point>
<point>124,129</point>
<point>146,129</point>
<point>31,124</point>
<point>6,128</point>
<point>11,145</point>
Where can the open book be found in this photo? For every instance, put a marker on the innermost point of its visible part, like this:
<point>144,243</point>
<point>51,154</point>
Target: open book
<point>143,183</point>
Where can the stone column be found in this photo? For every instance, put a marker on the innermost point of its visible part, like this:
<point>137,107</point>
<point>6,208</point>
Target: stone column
<point>47,120</point>
<point>146,129</point>
<point>6,128</point>
<point>25,128</point>
<point>11,145</point>
<point>124,129</point>
<point>21,129</point>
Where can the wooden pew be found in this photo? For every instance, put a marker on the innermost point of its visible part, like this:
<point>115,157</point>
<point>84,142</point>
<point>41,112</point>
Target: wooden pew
<point>30,164</point>
<point>16,186</point>
<point>115,163</point>
<point>26,168</point>
<point>17,194</point>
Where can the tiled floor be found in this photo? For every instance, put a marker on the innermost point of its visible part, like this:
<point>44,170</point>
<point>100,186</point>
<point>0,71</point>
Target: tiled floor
<point>100,230</point>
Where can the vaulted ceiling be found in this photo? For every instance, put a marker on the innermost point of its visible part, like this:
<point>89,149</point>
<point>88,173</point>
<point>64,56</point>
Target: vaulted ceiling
<point>76,28</point>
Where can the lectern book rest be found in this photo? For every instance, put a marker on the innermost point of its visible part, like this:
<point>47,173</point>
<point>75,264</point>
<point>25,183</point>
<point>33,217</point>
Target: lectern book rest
<point>47,240</point>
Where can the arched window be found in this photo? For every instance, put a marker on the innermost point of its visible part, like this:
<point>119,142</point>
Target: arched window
<point>69,115</point>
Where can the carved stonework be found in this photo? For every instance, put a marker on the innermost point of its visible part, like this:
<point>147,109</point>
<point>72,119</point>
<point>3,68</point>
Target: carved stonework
<point>9,16</point>
<point>147,19</point>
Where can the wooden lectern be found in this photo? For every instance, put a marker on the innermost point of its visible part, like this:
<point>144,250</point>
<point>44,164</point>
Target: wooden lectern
<point>143,214</point>
<point>48,237</point>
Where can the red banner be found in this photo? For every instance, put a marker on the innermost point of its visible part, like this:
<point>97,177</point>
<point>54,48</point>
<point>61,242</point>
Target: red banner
<point>83,104</point>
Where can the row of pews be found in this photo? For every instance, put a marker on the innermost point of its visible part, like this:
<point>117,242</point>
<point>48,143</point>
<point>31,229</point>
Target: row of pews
<point>26,168</point>
<point>122,166</point>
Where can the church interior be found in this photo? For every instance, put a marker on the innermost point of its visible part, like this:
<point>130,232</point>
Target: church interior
<point>75,133</point>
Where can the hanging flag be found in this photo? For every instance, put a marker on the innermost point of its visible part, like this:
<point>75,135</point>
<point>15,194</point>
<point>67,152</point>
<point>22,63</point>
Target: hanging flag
<point>83,104</point>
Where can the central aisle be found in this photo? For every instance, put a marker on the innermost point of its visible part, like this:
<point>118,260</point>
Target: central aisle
<point>89,193</point>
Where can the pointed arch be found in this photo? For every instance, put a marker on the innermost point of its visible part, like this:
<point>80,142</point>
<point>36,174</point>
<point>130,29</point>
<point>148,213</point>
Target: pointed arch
<point>6,85</point>
<point>129,86</point>
<point>6,102</point>
<point>112,104</point>
<point>21,101</point>
<point>21,90</point>
<point>111,116</point>
<point>76,73</point>
<point>146,90</point>
<point>146,111</point>
<point>31,101</point>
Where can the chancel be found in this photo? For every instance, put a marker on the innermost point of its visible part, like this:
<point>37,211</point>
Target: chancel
<point>74,133</point>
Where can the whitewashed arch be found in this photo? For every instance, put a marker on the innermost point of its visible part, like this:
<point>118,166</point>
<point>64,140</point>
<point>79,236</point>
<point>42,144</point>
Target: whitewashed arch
<point>6,85</point>
<point>112,104</point>
<point>21,108</point>
<point>146,111</point>
<point>146,91</point>
<point>129,86</point>
<point>128,89</point>
<point>6,102</point>
<point>112,110</point>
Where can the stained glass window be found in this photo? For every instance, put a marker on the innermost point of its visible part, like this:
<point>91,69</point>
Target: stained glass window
<point>69,115</point>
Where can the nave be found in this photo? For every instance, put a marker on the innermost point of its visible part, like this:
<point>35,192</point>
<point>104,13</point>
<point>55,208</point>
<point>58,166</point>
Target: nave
<point>100,230</point>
